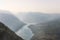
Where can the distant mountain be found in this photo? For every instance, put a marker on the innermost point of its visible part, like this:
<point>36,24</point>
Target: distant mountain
<point>36,17</point>
<point>10,20</point>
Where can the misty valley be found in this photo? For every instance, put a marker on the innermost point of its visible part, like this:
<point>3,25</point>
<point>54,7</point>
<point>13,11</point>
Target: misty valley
<point>29,25</point>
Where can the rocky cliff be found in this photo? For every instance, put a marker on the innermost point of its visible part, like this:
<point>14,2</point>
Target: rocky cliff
<point>7,34</point>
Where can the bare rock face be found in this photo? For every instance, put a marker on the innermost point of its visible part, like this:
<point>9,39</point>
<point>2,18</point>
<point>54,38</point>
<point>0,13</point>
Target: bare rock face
<point>7,34</point>
<point>48,31</point>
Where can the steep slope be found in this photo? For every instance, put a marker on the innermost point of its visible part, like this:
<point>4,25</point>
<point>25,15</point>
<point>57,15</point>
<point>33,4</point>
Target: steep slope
<point>11,21</point>
<point>7,34</point>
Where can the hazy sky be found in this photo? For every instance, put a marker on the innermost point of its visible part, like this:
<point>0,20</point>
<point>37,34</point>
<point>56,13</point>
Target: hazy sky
<point>51,6</point>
